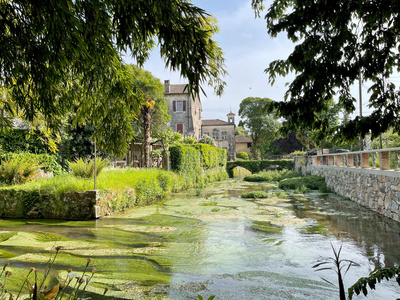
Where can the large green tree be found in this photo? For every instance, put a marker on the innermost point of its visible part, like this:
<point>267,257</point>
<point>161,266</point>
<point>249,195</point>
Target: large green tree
<point>58,56</point>
<point>336,43</point>
<point>262,127</point>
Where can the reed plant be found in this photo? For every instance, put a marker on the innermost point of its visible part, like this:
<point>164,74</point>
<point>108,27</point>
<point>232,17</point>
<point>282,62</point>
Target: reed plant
<point>32,287</point>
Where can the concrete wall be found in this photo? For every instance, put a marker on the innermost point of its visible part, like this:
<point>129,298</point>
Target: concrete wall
<point>375,189</point>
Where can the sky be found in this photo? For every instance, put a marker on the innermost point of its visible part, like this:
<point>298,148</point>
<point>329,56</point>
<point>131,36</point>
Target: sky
<point>248,50</point>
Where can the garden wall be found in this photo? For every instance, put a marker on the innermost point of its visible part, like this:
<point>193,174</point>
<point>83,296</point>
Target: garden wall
<point>378,190</point>
<point>70,206</point>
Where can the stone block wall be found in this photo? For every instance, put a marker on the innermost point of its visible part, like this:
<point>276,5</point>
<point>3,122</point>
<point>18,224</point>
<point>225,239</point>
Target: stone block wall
<point>69,206</point>
<point>375,189</point>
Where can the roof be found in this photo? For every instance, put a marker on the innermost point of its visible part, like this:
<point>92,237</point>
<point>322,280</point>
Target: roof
<point>243,139</point>
<point>215,122</point>
<point>178,89</point>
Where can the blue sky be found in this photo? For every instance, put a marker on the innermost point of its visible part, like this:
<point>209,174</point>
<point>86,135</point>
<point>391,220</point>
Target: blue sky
<point>248,51</point>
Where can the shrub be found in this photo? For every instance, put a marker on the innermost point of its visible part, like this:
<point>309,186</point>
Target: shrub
<point>255,194</point>
<point>164,180</point>
<point>48,162</point>
<point>242,155</point>
<point>205,139</point>
<point>271,176</point>
<point>18,170</point>
<point>85,168</point>
<point>311,182</point>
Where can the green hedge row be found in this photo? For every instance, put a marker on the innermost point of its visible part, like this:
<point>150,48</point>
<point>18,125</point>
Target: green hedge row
<point>190,160</point>
<point>255,166</point>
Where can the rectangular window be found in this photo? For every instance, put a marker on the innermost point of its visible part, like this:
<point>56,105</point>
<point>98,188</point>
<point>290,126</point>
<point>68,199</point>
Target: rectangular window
<point>179,128</point>
<point>224,135</point>
<point>179,105</point>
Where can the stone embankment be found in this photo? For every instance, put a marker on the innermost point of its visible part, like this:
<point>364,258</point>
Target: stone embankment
<point>376,189</point>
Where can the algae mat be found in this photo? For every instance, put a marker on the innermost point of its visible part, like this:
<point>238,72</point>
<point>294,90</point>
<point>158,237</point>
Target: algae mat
<point>208,242</point>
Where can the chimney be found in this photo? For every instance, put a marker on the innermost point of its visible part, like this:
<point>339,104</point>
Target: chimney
<point>166,86</point>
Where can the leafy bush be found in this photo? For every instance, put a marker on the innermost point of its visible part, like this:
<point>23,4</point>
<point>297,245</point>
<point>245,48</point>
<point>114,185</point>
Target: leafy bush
<point>271,176</point>
<point>255,194</point>
<point>164,180</point>
<point>84,168</point>
<point>189,141</point>
<point>18,170</point>
<point>48,162</point>
<point>205,139</point>
<point>311,182</point>
<point>242,155</point>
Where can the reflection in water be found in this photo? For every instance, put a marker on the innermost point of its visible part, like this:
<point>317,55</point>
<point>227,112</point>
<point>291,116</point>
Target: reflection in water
<point>217,245</point>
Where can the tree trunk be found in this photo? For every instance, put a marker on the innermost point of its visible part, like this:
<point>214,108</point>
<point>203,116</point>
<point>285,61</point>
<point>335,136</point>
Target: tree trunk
<point>146,136</point>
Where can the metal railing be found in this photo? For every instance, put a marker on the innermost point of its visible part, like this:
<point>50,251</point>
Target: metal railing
<point>382,159</point>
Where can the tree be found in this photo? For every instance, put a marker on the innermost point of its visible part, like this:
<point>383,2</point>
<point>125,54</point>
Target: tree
<point>336,43</point>
<point>153,110</point>
<point>260,126</point>
<point>59,56</point>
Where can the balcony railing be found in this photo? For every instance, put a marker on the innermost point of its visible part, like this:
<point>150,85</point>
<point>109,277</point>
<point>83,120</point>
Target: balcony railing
<point>382,159</point>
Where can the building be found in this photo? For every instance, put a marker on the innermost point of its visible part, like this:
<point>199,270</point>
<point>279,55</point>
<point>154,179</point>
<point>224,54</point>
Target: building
<point>243,143</point>
<point>185,110</point>
<point>222,132</point>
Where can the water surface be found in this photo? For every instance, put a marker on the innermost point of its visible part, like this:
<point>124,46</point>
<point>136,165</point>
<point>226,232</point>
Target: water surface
<point>214,243</point>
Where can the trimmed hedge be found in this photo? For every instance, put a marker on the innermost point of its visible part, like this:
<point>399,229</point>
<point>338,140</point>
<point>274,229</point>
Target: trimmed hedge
<point>255,166</point>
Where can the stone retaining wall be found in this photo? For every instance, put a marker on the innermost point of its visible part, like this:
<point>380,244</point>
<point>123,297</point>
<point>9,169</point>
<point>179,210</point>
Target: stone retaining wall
<point>375,189</point>
<point>70,206</point>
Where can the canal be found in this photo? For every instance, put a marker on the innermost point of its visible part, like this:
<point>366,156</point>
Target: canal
<point>212,242</point>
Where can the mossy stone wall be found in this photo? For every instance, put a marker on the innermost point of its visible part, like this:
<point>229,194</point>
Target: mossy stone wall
<point>69,206</point>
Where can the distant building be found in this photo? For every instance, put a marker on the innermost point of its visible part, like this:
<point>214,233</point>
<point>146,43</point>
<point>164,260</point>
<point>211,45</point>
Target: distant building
<point>222,132</point>
<point>243,143</point>
<point>185,110</point>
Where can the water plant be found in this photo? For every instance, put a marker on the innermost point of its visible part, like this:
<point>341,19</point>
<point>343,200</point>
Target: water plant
<point>36,290</point>
<point>255,194</point>
<point>311,182</point>
<point>338,266</point>
<point>271,176</point>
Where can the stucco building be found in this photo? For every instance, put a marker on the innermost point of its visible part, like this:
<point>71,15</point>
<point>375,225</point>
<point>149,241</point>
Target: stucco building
<point>185,110</point>
<point>243,143</point>
<point>222,132</point>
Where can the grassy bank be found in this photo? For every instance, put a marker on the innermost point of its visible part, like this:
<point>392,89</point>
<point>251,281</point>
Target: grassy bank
<point>127,187</point>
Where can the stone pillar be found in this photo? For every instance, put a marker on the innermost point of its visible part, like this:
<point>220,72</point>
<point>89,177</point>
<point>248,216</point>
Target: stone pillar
<point>384,163</point>
<point>330,160</point>
<point>364,160</point>
<point>339,161</point>
<point>350,161</point>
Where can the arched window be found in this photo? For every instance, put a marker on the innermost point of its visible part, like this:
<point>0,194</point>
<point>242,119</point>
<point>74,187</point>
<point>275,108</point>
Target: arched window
<point>215,134</point>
